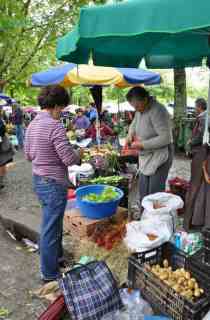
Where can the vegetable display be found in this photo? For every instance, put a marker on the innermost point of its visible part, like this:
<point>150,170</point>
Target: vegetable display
<point>109,236</point>
<point>108,194</point>
<point>180,280</point>
<point>106,180</point>
<point>103,158</point>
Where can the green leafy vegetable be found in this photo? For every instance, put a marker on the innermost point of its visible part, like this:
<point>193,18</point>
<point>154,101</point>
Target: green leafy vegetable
<point>107,195</point>
<point>106,180</point>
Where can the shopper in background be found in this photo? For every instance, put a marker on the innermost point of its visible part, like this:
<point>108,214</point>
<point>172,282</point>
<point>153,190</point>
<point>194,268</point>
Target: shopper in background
<point>50,152</point>
<point>104,130</point>
<point>198,130</point>
<point>81,121</point>
<point>196,200</point>
<point>18,120</point>
<point>6,151</point>
<point>91,111</point>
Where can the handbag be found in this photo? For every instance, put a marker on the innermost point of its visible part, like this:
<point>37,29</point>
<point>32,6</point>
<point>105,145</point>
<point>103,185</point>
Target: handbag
<point>90,291</point>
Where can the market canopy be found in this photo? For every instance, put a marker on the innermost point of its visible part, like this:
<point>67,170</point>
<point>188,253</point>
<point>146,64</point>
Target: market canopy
<point>167,34</point>
<point>71,74</point>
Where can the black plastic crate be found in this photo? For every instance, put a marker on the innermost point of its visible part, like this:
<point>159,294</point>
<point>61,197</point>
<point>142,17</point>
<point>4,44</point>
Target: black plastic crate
<point>168,251</point>
<point>200,270</point>
<point>161,297</point>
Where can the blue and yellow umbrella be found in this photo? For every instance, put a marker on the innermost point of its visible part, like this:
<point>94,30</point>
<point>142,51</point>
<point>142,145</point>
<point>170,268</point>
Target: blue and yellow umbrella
<point>70,74</point>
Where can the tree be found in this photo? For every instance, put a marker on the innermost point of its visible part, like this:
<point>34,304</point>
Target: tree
<point>28,33</point>
<point>180,99</point>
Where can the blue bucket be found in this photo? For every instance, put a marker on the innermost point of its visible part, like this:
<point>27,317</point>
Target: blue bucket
<point>95,210</point>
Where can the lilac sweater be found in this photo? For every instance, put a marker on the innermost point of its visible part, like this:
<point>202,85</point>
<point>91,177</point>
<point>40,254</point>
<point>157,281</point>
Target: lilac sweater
<point>47,146</point>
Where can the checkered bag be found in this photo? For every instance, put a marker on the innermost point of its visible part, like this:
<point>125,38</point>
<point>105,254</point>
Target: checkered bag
<point>90,291</point>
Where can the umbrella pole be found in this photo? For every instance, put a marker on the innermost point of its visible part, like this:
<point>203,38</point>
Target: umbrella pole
<point>118,104</point>
<point>206,131</point>
<point>98,138</point>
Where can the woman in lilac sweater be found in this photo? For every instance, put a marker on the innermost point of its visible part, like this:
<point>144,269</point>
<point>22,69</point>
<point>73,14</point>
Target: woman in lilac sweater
<point>48,148</point>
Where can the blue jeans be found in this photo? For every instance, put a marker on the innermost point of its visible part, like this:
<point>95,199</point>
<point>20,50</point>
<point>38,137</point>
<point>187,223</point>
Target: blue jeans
<point>52,197</point>
<point>19,135</point>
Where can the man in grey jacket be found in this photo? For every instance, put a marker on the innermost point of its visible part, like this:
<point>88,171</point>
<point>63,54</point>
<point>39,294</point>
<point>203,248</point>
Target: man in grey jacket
<point>198,130</point>
<point>150,133</point>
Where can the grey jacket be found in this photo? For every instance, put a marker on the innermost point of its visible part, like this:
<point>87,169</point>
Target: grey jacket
<point>154,129</point>
<point>198,131</point>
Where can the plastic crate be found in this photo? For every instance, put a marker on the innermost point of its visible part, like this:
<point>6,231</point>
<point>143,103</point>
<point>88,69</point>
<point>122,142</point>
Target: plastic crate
<point>162,298</point>
<point>200,270</point>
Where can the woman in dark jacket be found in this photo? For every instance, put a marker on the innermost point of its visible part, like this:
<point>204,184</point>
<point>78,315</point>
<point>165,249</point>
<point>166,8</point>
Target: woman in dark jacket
<point>6,151</point>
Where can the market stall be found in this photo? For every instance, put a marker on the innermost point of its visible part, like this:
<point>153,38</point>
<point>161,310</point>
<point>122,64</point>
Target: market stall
<point>163,265</point>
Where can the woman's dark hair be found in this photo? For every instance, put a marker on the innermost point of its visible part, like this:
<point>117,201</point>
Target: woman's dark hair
<point>201,102</point>
<point>52,96</point>
<point>79,110</point>
<point>138,93</point>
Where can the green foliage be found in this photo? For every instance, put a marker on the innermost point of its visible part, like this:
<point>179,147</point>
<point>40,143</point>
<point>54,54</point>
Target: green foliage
<point>80,95</point>
<point>28,33</point>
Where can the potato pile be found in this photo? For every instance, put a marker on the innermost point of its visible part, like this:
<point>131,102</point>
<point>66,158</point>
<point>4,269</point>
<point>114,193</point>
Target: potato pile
<point>180,280</point>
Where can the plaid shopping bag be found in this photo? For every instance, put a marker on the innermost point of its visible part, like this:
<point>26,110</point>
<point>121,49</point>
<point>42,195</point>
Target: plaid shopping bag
<point>90,291</point>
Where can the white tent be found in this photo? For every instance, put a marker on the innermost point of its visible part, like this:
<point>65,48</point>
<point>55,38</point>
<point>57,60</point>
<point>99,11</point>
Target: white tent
<point>112,107</point>
<point>72,108</point>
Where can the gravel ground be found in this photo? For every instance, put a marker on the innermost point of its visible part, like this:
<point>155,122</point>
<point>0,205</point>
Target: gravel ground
<point>18,194</point>
<point>18,276</point>
<point>19,271</point>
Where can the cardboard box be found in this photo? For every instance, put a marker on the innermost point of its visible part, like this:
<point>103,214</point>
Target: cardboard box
<point>81,227</point>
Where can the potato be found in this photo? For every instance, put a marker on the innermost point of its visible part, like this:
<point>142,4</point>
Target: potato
<point>187,275</point>
<point>164,276</point>
<point>197,293</point>
<point>196,285</point>
<point>189,294</point>
<point>185,283</point>
<point>181,280</point>
<point>165,263</point>
<point>177,288</point>
<point>190,284</point>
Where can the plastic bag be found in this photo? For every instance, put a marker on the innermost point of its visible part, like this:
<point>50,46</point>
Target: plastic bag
<point>133,298</point>
<point>207,316</point>
<point>162,207</point>
<point>135,307</point>
<point>145,235</point>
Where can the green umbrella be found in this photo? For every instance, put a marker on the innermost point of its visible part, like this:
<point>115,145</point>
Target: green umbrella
<point>168,34</point>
